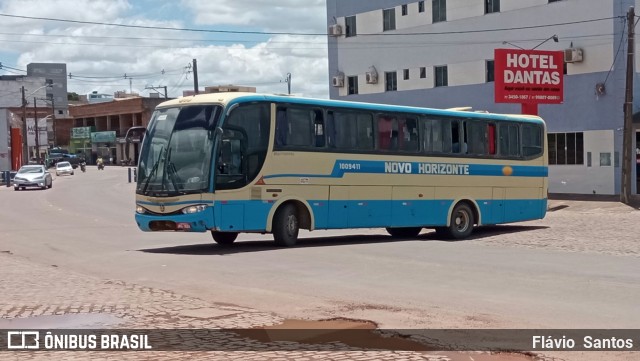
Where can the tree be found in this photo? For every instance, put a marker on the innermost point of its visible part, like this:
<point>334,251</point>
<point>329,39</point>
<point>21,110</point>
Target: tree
<point>73,96</point>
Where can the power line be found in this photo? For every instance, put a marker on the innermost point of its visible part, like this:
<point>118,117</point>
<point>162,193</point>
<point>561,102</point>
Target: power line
<point>150,38</point>
<point>239,41</point>
<point>299,34</point>
<point>617,51</point>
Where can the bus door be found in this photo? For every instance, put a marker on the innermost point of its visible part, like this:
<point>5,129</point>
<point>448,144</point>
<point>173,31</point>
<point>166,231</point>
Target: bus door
<point>497,207</point>
<point>338,207</point>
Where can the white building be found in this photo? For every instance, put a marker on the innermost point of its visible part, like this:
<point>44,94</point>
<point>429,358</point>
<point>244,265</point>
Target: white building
<point>10,103</point>
<point>439,53</point>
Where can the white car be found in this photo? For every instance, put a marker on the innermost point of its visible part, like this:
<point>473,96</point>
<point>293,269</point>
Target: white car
<point>64,168</point>
<point>32,176</point>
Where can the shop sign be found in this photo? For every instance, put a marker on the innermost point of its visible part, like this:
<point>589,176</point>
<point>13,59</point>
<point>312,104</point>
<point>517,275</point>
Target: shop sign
<point>528,76</point>
<point>81,133</point>
<point>103,137</point>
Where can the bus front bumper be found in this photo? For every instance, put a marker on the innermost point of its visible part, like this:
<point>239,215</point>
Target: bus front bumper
<point>194,222</point>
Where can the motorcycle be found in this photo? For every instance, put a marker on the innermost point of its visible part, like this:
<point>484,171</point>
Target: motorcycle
<point>83,167</point>
<point>100,163</point>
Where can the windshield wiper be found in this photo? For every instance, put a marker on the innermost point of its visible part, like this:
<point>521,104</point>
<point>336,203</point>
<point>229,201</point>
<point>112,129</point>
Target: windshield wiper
<point>170,169</point>
<point>154,169</point>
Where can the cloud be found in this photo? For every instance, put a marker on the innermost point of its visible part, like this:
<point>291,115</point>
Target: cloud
<point>296,16</point>
<point>102,51</point>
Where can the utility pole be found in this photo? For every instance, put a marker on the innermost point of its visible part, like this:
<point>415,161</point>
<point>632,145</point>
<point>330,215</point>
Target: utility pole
<point>25,145</point>
<point>53,121</point>
<point>35,118</point>
<point>289,82</point>
<point>195,76</point>
<point>625,191</point>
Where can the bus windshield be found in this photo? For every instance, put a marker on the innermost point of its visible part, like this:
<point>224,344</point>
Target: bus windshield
<point>176,152</point>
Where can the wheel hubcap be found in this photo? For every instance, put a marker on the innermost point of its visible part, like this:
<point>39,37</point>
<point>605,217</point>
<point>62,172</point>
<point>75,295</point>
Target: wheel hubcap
<point>461,221</point>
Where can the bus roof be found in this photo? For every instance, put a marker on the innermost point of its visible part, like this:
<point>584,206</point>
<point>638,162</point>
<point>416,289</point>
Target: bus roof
<point>237,97</point>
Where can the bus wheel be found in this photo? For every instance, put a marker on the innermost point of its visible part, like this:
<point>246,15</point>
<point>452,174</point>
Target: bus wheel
<point>404,232</point>
<point>462,221</point>
<point>285,226</point>
<point>224,238</point>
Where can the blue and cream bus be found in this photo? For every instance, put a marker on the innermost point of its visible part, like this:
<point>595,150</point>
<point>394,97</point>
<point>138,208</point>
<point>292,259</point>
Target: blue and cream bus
<point>241,162</point>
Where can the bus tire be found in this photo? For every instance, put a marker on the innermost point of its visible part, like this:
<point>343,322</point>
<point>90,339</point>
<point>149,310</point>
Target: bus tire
<point>462,222</point>
<point>286,226</point>
<point>224,238</point>
<point>404,232</point>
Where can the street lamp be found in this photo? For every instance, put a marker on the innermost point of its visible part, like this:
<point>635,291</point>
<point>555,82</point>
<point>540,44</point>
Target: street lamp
<point>554,37</point>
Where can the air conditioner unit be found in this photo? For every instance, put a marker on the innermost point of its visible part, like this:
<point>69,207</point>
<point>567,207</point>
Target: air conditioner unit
<point>572,55</point>
<point>372,76</point>
<point>338,81</point>
<point>335,30</point>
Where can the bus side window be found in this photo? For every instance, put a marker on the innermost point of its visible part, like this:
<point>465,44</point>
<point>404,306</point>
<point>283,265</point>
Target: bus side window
<point>330,130</point>
<point>476,137</point>
<point>509,143</point>
<point>456,137</point>
<point>318,128</point>
<point>491,139</point>
<point>301,127</point>
<point>408,135</point>
<point>426,126</point>
<point>282,127</point>
<point>386,134</point>
<point>364,130</point>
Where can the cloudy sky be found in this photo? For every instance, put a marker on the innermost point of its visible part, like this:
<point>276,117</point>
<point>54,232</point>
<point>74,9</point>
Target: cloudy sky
<point>99,56</point>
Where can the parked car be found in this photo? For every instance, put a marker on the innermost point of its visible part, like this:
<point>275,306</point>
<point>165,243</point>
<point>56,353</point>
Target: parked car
<point>32,176</point>
<point>64,168</point>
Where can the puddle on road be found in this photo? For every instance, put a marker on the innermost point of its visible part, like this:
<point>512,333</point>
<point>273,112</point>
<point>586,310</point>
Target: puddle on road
<point>361,334</point>
<point>69,321</point>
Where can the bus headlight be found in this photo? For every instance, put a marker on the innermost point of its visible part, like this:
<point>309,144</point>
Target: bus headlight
<point>140,210</point>
<point>194,209</point>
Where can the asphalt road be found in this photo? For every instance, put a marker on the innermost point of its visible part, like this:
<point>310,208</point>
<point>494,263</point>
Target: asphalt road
<point>85,223</point>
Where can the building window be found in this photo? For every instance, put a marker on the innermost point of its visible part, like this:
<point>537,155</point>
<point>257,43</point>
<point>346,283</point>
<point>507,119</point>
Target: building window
<point>605,159</point>
<point>566,148</point>
<point>423,72</point>
<point>405,11</point>
<point>390,81</point>
<point>441,77</point>
<point>420,6</point>
<point>388,19</point>
<point>490,71</point>
<point>350,24</point>
<point>491,6</point>
<point>352,83</point>
<point>439,10</point>
<point>405,74</point>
